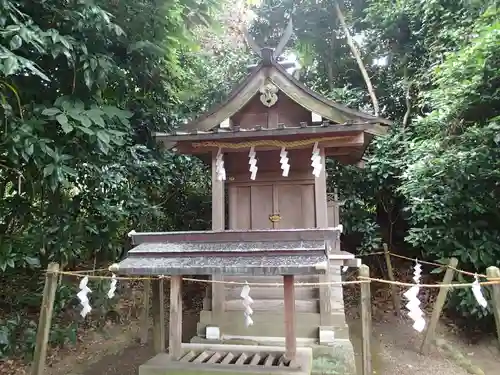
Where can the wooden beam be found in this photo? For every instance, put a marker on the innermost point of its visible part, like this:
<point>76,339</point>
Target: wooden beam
<point>348,142</point>
<point>45,320</point>
<point>438,306</point>
<point>218,224</point>
<point>175,323</point>
<point>289,301</point>
<point>158,316</point>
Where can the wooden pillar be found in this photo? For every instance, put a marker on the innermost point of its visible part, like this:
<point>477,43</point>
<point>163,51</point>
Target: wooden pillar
<point>494,273</point>
<point>218,216</point>
<point>175,323</point>
<point>396,298</point>
<point>45,320</point>
<point>366,323</point>
<point>320,197</point>
<point>158,316</point>
<point>289,301</point>
<point>321,206</point>
<point>438,306</point>
<point>145,312</point>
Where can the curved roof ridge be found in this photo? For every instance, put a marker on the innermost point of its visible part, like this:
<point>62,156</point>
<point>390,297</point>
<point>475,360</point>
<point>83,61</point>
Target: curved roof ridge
<point>290,86</point>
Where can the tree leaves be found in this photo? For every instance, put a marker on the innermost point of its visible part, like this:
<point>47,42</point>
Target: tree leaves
<point>51,111</point>
<point>77,111</point>
<point>63,120</point>
<point>16,42</point>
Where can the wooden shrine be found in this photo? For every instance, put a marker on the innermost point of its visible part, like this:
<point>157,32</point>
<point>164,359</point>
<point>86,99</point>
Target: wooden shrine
<point>267,145</point>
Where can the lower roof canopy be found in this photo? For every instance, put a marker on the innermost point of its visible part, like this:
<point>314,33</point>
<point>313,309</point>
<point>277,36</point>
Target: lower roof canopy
<point>255,265</point>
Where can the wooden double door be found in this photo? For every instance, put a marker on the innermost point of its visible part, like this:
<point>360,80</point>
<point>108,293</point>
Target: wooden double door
<point>272,206</point>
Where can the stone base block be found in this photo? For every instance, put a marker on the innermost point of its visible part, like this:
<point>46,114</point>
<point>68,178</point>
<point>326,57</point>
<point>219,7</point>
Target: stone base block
<point>210,359</point>
<point>269,324</point>
<point>335,358</point>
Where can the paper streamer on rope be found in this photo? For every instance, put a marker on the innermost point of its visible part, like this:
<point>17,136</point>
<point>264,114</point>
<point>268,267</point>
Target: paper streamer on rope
<point>82,296</point>
<point>316,161</point>
<point>478,294</point>
<point>112,287</point>
<point>247,302</point>
<point>219,166</point>
<point>253,163</point>
<point>413,305</point>
<point>284,162</point>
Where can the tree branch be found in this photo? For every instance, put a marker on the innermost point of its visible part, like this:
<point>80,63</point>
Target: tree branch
<point>408,84</point>
<point>357,56</point>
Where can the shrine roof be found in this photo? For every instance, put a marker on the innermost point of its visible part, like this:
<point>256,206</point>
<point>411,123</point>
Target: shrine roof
<point>291,87</point>
<point>370,127</point>
<point>238,253</point>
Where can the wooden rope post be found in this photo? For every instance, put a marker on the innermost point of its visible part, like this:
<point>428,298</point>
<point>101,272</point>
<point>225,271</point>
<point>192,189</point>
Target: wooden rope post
<point>175,323</point>
<point>366,322</point>
<point>438,306</point>
<point>145,312</point>
<point>289,302</point>
<point>158,316</point>
<point>396,298</point>
<point>494,272</point>
<point>45,320</point>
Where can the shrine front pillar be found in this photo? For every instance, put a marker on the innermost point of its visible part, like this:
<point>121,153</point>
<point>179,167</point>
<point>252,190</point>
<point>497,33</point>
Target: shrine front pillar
<point>218,224</point>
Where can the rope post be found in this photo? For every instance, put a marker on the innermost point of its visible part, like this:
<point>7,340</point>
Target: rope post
<point>366,321</point>
<point>144,336</point>
<point>438,306</point>
<point>396,298</point>
<point>159,338</point>
<point>44,323</point>
<point>494,273</point>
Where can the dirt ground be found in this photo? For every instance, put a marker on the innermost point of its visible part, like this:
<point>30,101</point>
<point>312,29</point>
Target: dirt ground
<point>115,350</point>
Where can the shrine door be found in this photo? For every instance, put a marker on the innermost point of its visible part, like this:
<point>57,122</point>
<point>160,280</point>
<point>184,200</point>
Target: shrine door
<point>272,206</point>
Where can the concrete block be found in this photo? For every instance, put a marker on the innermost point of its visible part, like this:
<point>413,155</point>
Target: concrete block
<point>212,333</point>
<point>326,335</point>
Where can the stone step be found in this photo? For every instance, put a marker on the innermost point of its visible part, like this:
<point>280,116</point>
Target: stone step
<point>269,280</point>
<point>265,293</point>
<point>311,306</point>
<point>270,324</point>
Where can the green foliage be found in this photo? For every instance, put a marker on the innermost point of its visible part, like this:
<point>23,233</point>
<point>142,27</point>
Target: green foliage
<point>431,182</point>
<point>83,84</point>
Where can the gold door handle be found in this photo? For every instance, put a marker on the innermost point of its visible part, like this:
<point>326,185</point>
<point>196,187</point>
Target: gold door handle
<point>274,218</point>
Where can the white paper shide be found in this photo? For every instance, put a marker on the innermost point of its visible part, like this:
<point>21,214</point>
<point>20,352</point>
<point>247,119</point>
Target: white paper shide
<point>316,161</point>
<point>478,294</point>
<point>413,305</point>
<point>247,302</point>
<point>112,287</point>
<point>219,166</point>
<point>285,166</point>
<point>82,296</point>
<point>252,161</point>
